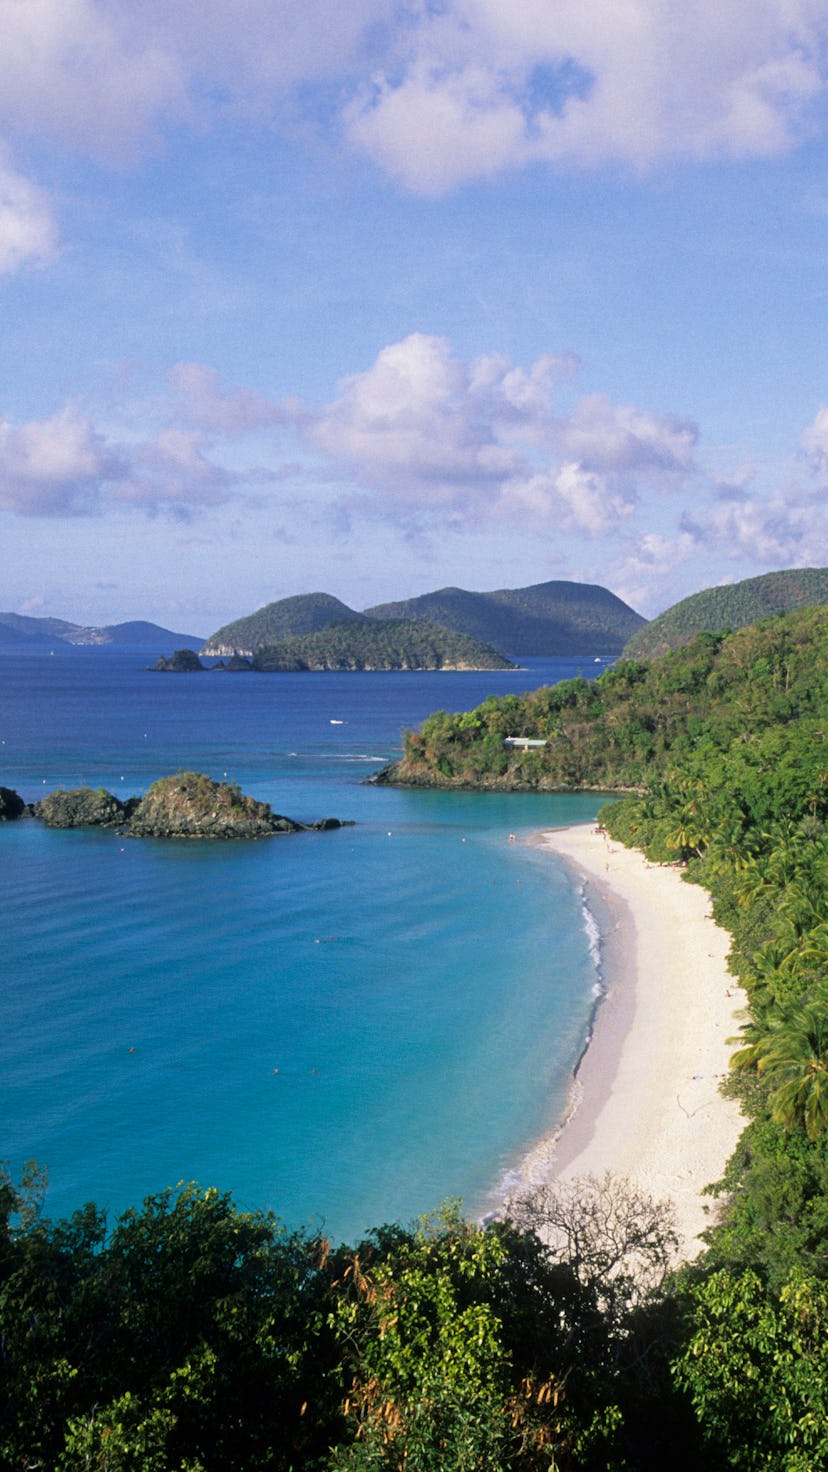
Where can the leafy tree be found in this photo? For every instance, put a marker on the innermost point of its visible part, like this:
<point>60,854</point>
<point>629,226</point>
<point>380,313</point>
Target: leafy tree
<point>792,1055</point>
<point>756,1369</point>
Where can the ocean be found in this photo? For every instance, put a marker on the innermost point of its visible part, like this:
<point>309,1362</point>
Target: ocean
<point>346,1027</point>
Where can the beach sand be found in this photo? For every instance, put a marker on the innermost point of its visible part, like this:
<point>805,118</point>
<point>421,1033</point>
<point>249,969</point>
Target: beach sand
<point>648,1105</point>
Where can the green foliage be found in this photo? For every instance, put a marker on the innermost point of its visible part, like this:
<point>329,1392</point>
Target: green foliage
<point>287,618</point>
<point>192,1337</point>
<point>373,645</point>
<point>655,727</point>
<point>756,1368</point>
<point>547,618</point>
<point>791,1053</point>
<point>732,606</point>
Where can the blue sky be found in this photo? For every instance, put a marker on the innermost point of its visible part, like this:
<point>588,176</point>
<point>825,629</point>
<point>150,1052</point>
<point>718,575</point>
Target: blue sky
<point>379,298</point>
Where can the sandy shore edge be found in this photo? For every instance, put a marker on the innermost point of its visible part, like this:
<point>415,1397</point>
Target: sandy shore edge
<point>646,1096</point>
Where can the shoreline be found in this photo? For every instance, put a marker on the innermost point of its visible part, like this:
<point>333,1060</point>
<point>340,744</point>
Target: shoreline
<point>645,1099</point>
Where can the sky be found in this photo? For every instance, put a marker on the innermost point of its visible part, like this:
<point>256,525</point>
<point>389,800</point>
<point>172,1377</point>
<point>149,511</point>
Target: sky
<point>378,298</point>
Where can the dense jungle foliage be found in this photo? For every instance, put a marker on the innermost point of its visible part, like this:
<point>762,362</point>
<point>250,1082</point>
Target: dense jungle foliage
<point>287,618</point>
<point>391,644</point>
<point>193,1337</point>
<point>546,618</point>
<point>728,607</point>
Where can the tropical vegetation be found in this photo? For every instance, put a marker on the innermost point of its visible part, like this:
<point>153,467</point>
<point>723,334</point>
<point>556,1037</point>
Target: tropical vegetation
<point>393,644</point>
<point>191,1336</point>
<point>730,606</point>
<point>547,618</point>
<point>286,618</point>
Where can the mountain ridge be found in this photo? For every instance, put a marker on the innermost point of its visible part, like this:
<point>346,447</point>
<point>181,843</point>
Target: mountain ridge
<point>543,618</point>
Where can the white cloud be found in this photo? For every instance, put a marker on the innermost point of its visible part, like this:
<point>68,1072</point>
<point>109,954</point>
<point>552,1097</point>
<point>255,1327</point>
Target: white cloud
<point>200,401</point>
<point>82,73</point>
<point>65,466</point>
<point>623,437</point>
<point>28,233</point>
<point>478,86</point>
<point>775,532</point>
<point>106,75</point>
<point>52,467</point>
<point>429,433</point>
<point>815,442</point>
<point>436,95</point>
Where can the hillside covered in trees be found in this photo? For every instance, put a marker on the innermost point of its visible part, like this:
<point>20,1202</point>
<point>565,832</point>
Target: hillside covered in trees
<point>636,719</point>
<point>389,645</point>
<point>547,618</point>
<point>731,606</point>
<point>191,1336</point>
<point>287,618</point>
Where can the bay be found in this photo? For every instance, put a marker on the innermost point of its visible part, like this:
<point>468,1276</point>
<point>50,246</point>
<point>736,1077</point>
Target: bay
<point>347,1027</point>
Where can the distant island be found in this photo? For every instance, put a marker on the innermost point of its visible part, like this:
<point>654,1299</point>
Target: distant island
<point>187,805</point>
<point>546,619</point>
<point>23,630</point>
<point>391,644</point>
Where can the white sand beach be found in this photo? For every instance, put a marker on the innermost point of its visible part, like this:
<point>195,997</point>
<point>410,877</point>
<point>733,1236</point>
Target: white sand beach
<point>650,1107</point>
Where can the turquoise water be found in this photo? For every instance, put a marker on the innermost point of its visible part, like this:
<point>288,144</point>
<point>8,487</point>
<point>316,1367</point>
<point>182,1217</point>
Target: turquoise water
<point>347,1027</point>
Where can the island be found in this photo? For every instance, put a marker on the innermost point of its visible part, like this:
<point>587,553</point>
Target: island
<point>187,805</point>
<point>378,645</point>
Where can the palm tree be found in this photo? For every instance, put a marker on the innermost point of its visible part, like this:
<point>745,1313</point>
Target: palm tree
<point>793,1056</point>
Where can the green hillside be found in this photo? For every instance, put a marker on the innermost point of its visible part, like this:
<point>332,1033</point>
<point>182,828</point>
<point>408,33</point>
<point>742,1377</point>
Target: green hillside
<point>731,606</point>
<point>619,731</point>
<point>379,645</point>
<point>546,618</point>
<point>306,613</point>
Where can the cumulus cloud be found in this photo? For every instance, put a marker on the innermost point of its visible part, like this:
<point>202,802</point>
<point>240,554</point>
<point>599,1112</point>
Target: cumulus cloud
<point>436,94</point>
<point>477,86</point>
<point>428,432</point>
<point>106,76</point>
<point>420,437</point>
<point>201,402</point>
<point>785,527</point>
<point>815,442</point>
<point>64,466</point>
<point>53,467</point>
<point>28,234</point>
<point>776,532</point>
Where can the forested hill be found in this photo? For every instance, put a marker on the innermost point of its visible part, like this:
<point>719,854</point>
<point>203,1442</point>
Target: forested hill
<point>547,618</point>
<point>287,618</point>
<point>731,606</point>
<point>374,645</point>
<point>621,730</point>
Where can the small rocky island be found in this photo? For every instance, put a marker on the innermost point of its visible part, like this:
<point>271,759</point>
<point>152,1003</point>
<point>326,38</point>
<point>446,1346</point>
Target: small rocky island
<point>11,805</point>
<point>188,805</point>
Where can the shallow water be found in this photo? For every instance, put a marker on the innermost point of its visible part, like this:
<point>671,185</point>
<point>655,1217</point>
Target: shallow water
<point>347,1027</point>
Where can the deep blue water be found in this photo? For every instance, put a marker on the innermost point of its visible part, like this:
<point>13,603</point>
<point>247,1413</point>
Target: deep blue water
<point>347,1027</point>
